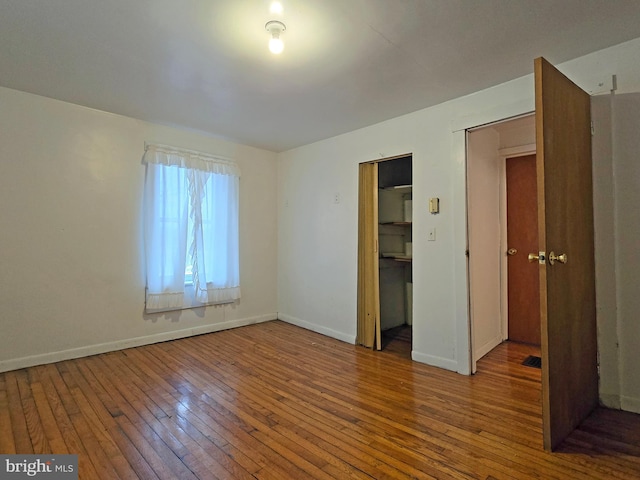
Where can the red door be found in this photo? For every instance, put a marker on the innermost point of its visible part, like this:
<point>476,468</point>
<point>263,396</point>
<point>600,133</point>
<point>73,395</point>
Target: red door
<point>522,238</point>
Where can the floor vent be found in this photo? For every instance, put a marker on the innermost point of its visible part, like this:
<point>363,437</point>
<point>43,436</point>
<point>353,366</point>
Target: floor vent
<point>531,361</point>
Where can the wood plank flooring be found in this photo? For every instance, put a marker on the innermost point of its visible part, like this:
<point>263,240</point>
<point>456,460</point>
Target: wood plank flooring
<point>273,401</point>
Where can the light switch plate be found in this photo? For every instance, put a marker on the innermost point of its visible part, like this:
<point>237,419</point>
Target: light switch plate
<point>434,205</point>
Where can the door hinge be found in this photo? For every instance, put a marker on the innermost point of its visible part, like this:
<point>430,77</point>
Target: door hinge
<point>593,129</point>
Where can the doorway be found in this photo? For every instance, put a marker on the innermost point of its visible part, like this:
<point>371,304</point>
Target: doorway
<point>488,149</point>
<point>565,253</point>
<point>385,305</point>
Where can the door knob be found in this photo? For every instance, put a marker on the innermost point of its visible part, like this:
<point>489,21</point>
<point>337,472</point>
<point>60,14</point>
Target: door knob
<point>540,258</point>
<point>511,252</point>
<point>553,258</point>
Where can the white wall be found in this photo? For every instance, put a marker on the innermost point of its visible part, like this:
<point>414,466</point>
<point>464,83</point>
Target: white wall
<point>605,252</point>
<point>317,246</point>
<point>626,170</point>
<point>616,194</point>
<point>71,268</point>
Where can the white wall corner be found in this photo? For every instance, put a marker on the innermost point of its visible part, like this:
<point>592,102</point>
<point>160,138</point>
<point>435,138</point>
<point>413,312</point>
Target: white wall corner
<point>610,400</point>
<point>434,361</point>
<point>481,350</point>
<point>329,332</point>
<point>630,404</point>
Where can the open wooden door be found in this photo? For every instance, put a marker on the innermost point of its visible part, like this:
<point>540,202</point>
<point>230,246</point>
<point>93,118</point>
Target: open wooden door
<point>567,274</point>
<point>368,331</point>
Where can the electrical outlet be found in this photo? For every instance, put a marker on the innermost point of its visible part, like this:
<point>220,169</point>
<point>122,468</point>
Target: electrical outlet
<point>336,198</point>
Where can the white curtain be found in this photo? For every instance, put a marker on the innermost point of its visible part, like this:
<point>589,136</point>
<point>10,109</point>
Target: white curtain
<point>191,218</point>
<point>166,220</point>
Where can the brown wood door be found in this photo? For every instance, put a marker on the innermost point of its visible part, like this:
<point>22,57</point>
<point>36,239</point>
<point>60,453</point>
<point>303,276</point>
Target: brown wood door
<point>565,226</point>
<point>523,289</point>
<point>368,323</point>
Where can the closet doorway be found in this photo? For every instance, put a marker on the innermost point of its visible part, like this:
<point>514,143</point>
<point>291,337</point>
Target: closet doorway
<point>500,176</point>
<point>385,288</point>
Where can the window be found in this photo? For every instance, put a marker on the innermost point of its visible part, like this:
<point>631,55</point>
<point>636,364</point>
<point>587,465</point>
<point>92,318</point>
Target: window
<point>191,229</point>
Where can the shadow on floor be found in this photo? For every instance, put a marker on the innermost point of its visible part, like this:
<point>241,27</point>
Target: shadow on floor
<point>398,340</point>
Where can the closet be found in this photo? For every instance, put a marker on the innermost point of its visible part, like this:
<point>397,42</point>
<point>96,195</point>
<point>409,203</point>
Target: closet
<point>384,249</point>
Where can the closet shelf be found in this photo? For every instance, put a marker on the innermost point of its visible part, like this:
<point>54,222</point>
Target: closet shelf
<point>399,224</point>
<point>399,188</point>
<point>399,257</point>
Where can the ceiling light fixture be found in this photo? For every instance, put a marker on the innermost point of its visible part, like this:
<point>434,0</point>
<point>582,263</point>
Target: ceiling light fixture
<point>275,28</point>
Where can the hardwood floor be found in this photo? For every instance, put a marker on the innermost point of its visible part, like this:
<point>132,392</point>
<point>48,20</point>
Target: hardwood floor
<point>273,401</point>
<point>398,340</point>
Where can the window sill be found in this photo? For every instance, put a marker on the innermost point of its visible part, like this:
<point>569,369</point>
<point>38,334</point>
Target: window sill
<point>190,302</point>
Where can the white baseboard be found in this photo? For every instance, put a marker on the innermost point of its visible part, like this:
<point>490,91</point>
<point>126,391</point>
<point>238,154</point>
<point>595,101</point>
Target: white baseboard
<point>487,347</point>
<point>317,328</point>
<point>630,404</point>
<point>418,357</point>
<point>24,362</point>
<point>617,402</point>
<point>434,361</point>
<point>610,400</point>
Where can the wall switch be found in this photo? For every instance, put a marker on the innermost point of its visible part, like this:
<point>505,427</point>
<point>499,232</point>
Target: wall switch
<point>432,235</point>
<point>434,205</point>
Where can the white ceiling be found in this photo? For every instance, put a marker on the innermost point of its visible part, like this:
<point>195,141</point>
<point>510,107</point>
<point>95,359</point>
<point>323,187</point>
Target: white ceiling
<point>204,64</point>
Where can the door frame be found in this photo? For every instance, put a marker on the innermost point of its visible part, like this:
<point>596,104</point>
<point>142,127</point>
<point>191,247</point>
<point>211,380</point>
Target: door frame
<point>459,127</point>
<point>502,155</point>
<point>369,301</point>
